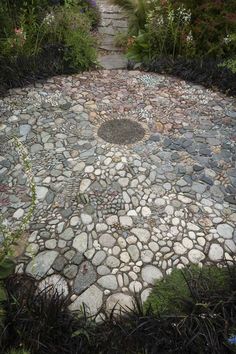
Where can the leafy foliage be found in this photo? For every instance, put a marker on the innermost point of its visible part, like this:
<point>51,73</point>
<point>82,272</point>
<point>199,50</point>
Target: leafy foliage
<point>91,9</point>
<point>38,39</point>
<point>174,30</point>
<point>137,11</point>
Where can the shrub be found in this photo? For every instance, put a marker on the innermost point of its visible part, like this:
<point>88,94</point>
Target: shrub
<point>137,11</point>
<point>72,29</point>
<point>211,23</point>
<point>92,12</point>
<point>38,40</point>
<point>184,28</point>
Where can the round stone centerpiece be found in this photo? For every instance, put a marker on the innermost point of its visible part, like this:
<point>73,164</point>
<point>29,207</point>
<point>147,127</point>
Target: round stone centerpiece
<point>121,131</point>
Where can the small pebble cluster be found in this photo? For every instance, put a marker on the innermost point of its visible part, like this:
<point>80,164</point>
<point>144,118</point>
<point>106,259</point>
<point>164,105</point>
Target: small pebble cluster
<point>112,219</point>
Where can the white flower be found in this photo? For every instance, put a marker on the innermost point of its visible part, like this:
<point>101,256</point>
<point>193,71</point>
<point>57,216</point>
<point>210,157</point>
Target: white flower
<point>171,15</point>
<point>189,37</point>
<point>49,19</point>
<point>227,39</point>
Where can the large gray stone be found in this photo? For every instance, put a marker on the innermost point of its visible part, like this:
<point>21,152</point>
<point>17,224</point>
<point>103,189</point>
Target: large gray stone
<point>112,262</point>
<point>230,246</point>
<point>216,252</point>
<point>41,192</point>
<point>54,284</point>
<point>225,230</point>
<point>59,263</point>
<point>91,299</point>
<point>107,240</point>
<point>67,234</point>
<point>41,264</point>
<point>86,276</point>
<point>25,129</point>
<point>142,234</point>
<point>120,302</point>
<point>113,61</point>
<point>195,256</point>
<point>108,282</point>
<point>98,258</point>
<point>80,242</point>
<point>86,219</point>
<point>151,274</point>
<point>133,252</point>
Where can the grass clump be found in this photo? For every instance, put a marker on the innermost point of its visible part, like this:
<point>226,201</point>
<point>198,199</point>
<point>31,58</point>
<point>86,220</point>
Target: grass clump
<point>170,295</point>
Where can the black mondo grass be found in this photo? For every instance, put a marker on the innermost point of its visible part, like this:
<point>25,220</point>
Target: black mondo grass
<point>41,322</point>
<point>206,72</point>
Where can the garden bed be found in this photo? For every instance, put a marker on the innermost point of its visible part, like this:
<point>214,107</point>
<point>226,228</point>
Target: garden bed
<point>207,73</point>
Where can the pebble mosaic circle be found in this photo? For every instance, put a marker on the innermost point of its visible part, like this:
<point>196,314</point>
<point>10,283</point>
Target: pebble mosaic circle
<point>135,176</point>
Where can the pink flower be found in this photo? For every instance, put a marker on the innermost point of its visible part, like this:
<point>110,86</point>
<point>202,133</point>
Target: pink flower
<point>21,35</point>
<point>18,31</point>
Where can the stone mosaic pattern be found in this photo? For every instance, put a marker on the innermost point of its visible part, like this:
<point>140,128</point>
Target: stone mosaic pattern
<point>111,219</point>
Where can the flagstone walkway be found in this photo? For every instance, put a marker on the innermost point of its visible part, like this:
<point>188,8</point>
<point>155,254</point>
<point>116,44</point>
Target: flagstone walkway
<point>135,176</point>
<point>113,22</point>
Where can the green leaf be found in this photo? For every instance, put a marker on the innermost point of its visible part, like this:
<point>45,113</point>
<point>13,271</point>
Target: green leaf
<point>6,268</point>
<point>80,332</point>
<point>3,294</point>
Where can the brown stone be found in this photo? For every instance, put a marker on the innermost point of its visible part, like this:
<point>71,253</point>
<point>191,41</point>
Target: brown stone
<point>159,127</point>
<point>205,222</point>
<point>168,126</point>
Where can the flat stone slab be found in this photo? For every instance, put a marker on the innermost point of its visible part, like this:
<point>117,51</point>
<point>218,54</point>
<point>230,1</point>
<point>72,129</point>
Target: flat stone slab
<point>113,61</point>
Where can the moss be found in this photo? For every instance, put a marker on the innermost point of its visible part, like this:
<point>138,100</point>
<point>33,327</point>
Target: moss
<point>170,295</point>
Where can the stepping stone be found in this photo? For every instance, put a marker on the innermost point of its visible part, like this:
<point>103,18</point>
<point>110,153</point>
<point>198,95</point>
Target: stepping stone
<point>113,61</point>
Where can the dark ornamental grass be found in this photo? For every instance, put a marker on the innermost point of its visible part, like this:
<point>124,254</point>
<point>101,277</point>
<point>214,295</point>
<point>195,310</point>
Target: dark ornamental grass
<point>204,322</point>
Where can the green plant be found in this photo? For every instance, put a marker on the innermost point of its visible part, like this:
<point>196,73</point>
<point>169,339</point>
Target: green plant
<point>184,28</point>
<point>212,21</point>
<point>121,40</point>
<point>137,12</point>
<point>167,33</point>
<point>11,236</point>
<point>18,351</point>
<point>170,294</point>
<point>38,40</point>
<point>80,50</point>
<point>71,28</point>
<point>231,62</point>
<point>90,8</point>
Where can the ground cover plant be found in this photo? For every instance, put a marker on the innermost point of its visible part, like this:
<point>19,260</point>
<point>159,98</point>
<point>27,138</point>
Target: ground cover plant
<point>184,38</point>
<point>191,311</point>
<point>42,38</point>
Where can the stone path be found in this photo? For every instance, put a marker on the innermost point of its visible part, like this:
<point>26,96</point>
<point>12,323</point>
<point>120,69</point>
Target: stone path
<point>113,21</point>
<point>111,219</point>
